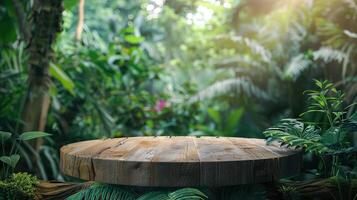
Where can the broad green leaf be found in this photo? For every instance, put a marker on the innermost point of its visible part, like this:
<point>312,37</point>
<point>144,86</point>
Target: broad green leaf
<point>69,4</point>
<point>62,77</point>
<point>4,135</point>
<point>11,160</point>
<point>215,115</point>
<point>233,120</point>
<point>187,193</point>
<point>32,135</point>
<point>133,39</point>
<point>333,135</point>
<point>159,195</point>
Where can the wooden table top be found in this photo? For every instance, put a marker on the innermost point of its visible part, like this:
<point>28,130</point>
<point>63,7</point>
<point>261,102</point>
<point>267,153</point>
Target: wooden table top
<point>179,161</point>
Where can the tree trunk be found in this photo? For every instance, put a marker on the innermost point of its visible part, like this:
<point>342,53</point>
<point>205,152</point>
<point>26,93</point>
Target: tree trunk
<point>45,24</point>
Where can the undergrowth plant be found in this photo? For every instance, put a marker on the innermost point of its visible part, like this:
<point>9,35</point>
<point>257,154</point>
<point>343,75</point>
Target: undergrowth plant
<point>100,191</point>
<point>328,136</point>
<point>106,192</point>
<point>9,159</point>
<point>18,186</point>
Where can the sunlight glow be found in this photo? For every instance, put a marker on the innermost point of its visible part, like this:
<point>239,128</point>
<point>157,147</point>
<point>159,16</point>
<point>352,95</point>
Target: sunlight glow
<point>201,17</point>
<point>154,7</point>
<point>204,13</point>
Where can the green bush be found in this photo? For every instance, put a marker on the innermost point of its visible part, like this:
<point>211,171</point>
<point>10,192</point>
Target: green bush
<point>18,186</point>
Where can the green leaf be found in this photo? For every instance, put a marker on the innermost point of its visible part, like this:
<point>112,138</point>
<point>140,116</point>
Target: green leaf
<point>318,83</point>
<point>11,160</point>
<point>353,117</point>
<point>62,77</point>
<point>333,135</point>
<point>187,193</point>
<point>4,135</point>
<point>32,135</point>
<point>154,195</point>
<point>133,39</point>
<point>214,114</point>
<point>69,4</point>
<point>233,120</point>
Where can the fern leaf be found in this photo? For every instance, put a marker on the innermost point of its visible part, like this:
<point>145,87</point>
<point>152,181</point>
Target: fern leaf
<point>236,61</point>
<point>159,195</point>
<point>103,192</point>
<point>296,66</point>
<point>235,86</point>
<point>328,55</point>
<point>295,134</point>
<point>187,193</point>
<point>181,194</point>
<point>254,46</point>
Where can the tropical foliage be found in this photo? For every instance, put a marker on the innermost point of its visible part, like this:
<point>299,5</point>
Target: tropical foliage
<point>324,139</point>
<point>18,186</point>
<point>96,69</point>
<point>102,191</point>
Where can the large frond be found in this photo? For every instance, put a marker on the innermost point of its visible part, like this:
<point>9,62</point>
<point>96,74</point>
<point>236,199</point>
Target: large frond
<point>297,66</point>
<point>328,54</point>
<point>255,47</point>
<point>294,133</point>
<point>103,192</point>
<point>252,45</point>
<point>180,194</point>
<point>234,86</point>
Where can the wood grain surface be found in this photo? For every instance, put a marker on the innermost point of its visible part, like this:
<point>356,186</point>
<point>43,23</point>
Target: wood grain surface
<point>179,161</point>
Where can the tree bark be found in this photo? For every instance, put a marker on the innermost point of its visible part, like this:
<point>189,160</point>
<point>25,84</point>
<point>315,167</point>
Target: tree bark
<point>45,24</point>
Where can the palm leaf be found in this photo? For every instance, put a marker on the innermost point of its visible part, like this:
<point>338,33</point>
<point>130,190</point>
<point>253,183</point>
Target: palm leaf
<point>103,192</point>
<point>294,133</point>
<point>296,66</point>
<point>180,194</point>
<point>234,86</point>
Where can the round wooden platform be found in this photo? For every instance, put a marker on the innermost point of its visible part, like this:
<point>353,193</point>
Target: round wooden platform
<point>178,161</point>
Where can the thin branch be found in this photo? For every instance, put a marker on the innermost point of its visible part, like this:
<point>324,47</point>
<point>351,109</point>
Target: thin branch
<point>80,20</point>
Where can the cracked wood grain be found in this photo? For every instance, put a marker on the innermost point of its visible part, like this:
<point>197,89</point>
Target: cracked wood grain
<point>179,161</point>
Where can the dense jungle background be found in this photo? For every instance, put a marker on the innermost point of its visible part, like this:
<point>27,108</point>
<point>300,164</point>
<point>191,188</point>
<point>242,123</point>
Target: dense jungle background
<point>76,70</point>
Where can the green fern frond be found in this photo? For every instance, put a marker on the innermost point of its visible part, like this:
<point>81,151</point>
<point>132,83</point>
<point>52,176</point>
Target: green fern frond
<point>159,195</point>
<point>254,46</point>
<point>103,192</point>
<point>234,86</point>
<point>187,193</point>
<point>296,66</point>
<point>110,192</point>
<point>328,55</point>
<point>180,194</point>
<point>236,61</point>
<point>294,133</point>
